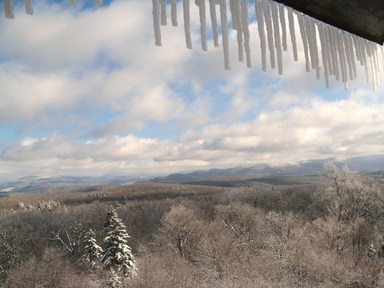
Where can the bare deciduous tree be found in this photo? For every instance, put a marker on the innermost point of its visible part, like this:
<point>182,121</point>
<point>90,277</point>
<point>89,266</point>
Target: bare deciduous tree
<point>179,230</point>
<point>352,196</point>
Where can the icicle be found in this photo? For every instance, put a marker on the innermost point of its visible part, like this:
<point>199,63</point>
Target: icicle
<point>364,57</point>
<point>224,33</point>
<point>260,26</point>
<point>360,49</point>
<point>187,20</point>
<point>350,40</point>
<point>268,22</point>
<point>8,9</point>
<point>163,7</point>
<point>351,55</point>
<point>292,32</point>
<point>328,42</point>
<point>212,8</point>
<point>232,4</point>
<point>276,30</point>
<point>324,54</point>
<point>348,54</point>
<point>245,24</point>
<point>374,66</point>
<point>316,50</point>
<point>28,7</point>
<point>156,22</point>
<point>380,59</point>
<point>335,53</point>
<point>382,56</point>
<point>312,44</point>
<point>370,53</point>
<point>308,32</point>
<point>327,47</point>
<point>99,2</point>
<point>174,13</point>
<point>340,54</point>
<point>341,50</point>
<point>239,33</point>
<point>377,57</point>
<point>375,62</point>
<point>236,22</point>
<point>364,47</point>
<point>305,41</point>
<point>283,26</point>
<point>357,49</point>
<point>203,25</point>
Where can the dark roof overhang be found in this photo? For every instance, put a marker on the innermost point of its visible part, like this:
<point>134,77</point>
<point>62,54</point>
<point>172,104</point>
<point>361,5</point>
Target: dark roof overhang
<point>364,18</point>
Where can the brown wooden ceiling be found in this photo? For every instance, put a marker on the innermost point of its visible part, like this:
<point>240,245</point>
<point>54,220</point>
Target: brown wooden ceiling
<point>364,18</point>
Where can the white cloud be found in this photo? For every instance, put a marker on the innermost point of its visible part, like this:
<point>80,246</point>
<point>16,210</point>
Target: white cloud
<point>25,95</point>
<point>28,141</point>
<point>97,60</point>
<point>80,86</point>
<point>319,129</point>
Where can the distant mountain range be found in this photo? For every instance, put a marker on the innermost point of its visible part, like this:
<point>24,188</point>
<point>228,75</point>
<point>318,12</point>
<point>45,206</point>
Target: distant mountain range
<point>34,183</point>
<point>369,165</point>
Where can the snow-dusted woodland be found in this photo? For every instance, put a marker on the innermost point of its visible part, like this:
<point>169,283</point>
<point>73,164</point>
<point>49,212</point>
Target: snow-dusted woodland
<point>327,233</point>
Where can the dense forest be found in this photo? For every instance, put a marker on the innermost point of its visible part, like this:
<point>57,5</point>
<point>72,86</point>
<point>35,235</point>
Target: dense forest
<point>173,235</point>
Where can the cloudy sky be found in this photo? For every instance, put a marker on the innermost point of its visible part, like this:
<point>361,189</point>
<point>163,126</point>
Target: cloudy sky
<point>84,91</point>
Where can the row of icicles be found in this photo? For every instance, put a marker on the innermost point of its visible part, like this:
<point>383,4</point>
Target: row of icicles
<point>340,51</point>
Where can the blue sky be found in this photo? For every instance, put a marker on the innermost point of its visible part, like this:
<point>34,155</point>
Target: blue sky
<point>84,91</point>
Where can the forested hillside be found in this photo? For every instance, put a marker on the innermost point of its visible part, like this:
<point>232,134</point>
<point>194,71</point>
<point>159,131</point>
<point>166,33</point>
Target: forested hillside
<point>173,235</point>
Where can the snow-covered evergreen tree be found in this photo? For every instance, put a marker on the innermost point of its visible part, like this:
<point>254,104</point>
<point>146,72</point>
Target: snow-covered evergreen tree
<point>117,253</point>
<point>92,251</point>
<point>113,280</point>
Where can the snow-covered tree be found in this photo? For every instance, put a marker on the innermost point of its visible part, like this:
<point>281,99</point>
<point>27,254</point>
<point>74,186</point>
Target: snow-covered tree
<point>117,253</point>
<point>179,230</point>
<point>352,196</point>
<point>92,251</point>
<point>113,280</point>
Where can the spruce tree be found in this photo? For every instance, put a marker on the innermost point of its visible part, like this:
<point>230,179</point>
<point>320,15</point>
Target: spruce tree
<point>113,280</point>
<point>117,254</point>
<point>92,251</point>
